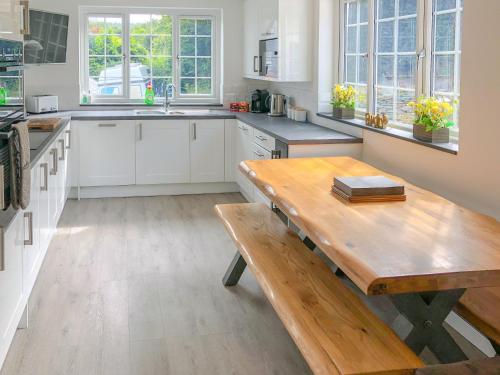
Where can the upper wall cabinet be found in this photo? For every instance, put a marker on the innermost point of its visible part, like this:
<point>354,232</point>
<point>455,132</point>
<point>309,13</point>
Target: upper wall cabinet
<point>291,22</point>
<point>13,19</point>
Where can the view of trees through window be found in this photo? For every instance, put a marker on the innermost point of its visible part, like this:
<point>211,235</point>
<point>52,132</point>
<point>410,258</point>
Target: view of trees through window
<point>146,55</point>
<point>390,29</point>
<point>11,81</point>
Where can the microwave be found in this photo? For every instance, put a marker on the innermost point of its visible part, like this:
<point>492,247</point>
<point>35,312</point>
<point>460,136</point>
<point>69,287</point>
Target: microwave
<point>269,58</point>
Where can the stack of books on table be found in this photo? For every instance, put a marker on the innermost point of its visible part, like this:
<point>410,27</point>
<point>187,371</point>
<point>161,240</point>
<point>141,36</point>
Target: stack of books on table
<point>359,189</point>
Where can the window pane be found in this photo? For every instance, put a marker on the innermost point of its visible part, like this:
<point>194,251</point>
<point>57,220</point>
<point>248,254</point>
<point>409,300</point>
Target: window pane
<point>406,71</point>
<point>363,70</point>
<point>162,66</point>
<point>407,35</point>
<point>204,27</point>
<point>140,45</point>
<point>204,86</point>
<point>351,39</point>
<point>96,66</point>
<point>445,32</point>
<point>363,39</point>
<point>386,36</point>
<point>353,13</point>
<point>444,73</point>
<point>140,66</point>
<point>204,67</point>
<point>363,9</point>
<point>404,112</point>
<point>162,45</point>
<point>160,86</point>
<point>204,46</point>
<point>188,67</point>
<point>161,24</point>
<point>386,9</point>
<point>445,4</point>
<point>188,27</point>
<point>114,45</point>
<point>188,86</point>
<point>140,24</point>
<point>113,25</point>
<point>188,46</point>
<point>385,70</point>
<point>96,45</point>
<point>384,103</point>
<point>96,25</point>
<point>407,7</point>
<point>362,99</point>
<point>351,69</point>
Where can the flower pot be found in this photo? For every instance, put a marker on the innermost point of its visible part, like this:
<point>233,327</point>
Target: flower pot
<point>343,113</point>
<point>441,135</point>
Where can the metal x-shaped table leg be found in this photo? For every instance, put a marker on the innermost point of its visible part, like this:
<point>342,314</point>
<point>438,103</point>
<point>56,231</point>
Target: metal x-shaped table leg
<point>427,312</point>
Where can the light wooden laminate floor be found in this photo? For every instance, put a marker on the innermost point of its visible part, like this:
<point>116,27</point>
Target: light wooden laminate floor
<point>133,286</point>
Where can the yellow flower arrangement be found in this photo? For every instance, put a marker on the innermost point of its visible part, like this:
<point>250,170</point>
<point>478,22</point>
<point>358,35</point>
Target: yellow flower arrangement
<point>433,113</point>
<point>344,97</point>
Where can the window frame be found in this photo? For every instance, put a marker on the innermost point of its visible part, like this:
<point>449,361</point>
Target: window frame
<point>424,53</point>
<point>177,14</point>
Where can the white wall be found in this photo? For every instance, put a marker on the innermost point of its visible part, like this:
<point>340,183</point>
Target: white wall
<point>471,178</point>
<point>63,80</point>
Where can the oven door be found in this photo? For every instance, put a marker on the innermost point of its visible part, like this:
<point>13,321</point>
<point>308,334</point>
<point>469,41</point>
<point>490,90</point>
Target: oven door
<point>11,55</point>
<point>269,58</point>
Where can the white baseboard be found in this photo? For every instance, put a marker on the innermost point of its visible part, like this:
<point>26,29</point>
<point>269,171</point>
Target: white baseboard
<point>153,190</point>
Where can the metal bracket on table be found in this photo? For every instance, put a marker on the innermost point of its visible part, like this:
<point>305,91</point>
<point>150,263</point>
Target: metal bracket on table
<point>427,313</point>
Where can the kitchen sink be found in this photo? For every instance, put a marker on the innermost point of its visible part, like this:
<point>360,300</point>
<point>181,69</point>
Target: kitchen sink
<point>150,112</point>
<point>173,112</point>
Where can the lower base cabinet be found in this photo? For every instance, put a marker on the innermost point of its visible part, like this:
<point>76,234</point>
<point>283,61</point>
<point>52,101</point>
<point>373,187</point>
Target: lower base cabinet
<point>207,151</point>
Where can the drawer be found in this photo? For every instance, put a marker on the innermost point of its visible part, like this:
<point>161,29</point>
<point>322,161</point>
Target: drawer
<point>260,153</point>
<point>264,140</point>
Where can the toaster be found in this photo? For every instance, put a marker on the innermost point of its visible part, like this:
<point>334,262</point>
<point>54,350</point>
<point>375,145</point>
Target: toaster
<point>42,103</point>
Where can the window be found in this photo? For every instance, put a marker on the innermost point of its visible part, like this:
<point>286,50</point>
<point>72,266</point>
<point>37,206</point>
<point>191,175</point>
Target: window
<point>127,50</point>
<point>390,57</point>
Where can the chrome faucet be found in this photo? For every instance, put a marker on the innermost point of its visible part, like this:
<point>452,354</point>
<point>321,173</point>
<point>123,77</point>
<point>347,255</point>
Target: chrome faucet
<point>168,100</point>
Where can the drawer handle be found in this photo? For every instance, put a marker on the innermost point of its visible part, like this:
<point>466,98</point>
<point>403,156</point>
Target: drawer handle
<point>261,138</point>
<point>29,216</point>
<point>107,125</point>
<point>258,154</point>
<point>63,150</point>
<point>194,131</point>
<point>68,132</point>
<point>45,168</point>
<point>53,172</point>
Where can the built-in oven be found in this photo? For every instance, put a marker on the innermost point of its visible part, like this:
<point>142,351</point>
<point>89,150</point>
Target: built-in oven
<point>269,58</point>
<point>12,108</point>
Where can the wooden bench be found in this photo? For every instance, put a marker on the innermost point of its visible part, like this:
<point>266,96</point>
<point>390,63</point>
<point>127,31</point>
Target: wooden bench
<point>335,332</point>
<point>481,308</point>
<point>489,366</point>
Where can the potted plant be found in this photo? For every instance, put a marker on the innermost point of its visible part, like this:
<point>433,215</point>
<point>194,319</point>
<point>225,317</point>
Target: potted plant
<point>432,123</point>
<point>343,102</point>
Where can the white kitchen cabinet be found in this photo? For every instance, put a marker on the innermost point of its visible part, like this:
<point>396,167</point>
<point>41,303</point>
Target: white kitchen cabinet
<point>207,151</point>
<point>292,22</point>
<point>11,19</point>
<point>251,39</point>
<point>107,153</point>
<point>244,151</point>
<point>162,152</point>
<point>32,252</point>
<point>11,283</point>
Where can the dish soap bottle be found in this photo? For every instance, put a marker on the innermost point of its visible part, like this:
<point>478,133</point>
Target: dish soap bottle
<point>3,95</point>
<point>149,98</point>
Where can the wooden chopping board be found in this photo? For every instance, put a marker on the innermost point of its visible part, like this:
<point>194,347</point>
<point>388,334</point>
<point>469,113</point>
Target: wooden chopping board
<point>45,124</point>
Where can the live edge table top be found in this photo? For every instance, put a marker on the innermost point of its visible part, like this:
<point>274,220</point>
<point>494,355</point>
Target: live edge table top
<point>424,244</point>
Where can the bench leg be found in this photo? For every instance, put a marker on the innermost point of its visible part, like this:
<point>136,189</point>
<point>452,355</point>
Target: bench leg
<point>235,270</point>
<point>427,313</point>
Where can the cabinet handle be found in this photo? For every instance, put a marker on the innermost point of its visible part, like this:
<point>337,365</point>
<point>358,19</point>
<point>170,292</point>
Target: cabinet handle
<point>258,154</point>
<point>53,152</point>
<point>261,138</point>
<point>107,125</point>
<point>29,216</point>
<point>45,168</point>
<point>140,132</point>
<point>63,150</point>
<point>68,132</point>
<point>255,62</point>
<point>194,131</point>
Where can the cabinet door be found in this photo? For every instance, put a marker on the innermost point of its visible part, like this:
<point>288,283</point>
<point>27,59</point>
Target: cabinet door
<point>44,205</point>
<point>32,249</point>
<point>162,152</point>
<point>11,18</point>
<point>268,19</point>
<point>107,153</point>
<point>244,152</point>
<point>11,282</point>
<point>251,39</point>
<point>207,151</point>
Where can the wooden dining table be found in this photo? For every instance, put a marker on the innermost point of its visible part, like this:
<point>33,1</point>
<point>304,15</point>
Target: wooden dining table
<point>423,252</point>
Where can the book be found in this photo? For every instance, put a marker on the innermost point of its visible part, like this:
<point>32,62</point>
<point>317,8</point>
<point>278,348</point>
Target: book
<point>369,198</point>
<point>363,186</point>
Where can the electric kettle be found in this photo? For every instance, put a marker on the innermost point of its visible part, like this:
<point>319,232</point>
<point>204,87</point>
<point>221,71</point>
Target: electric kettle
<point>276,104</point>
